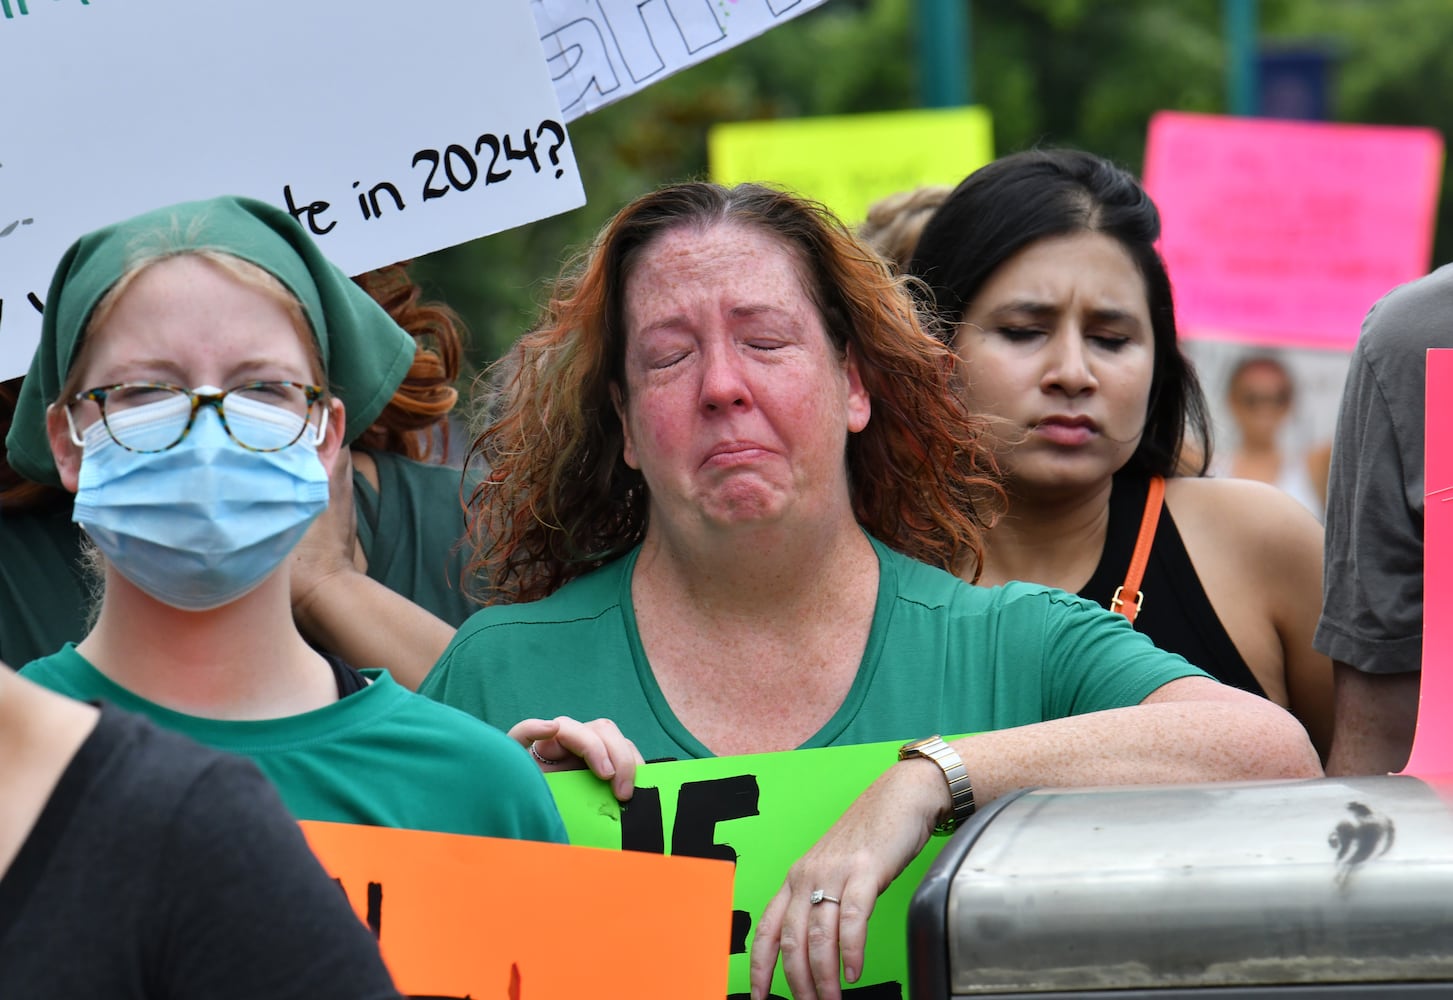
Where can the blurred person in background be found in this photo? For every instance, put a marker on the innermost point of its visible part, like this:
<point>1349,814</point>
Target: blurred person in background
<point>1261,395</point>
<point>397,516</point>
<point>895,222</point>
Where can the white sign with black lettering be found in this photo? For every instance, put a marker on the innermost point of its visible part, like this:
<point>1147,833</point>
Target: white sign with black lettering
<point>389,130</point>
<point>602,50</point>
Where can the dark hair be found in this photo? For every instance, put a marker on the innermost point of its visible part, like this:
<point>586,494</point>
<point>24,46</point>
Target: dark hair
<point>17,493</point>
<point>1017,200</point>
<point>560,500</point>
<point>1257,359</point>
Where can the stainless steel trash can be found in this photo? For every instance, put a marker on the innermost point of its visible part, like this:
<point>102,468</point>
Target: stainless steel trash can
<point>1297,889</point>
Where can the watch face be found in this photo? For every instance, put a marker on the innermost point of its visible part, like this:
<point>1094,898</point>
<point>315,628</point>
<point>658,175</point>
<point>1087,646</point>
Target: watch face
<point>917,747</point>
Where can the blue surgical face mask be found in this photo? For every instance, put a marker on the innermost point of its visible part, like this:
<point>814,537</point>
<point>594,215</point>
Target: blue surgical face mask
<point>204,522</point>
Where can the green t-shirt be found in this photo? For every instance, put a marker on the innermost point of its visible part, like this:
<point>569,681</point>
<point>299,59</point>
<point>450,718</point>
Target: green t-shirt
<point>382,756</point>
<point>43,595</point>
<point>412,532</point>
<point>942,657</point>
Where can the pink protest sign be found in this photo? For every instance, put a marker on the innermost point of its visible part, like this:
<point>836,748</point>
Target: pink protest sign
<point>1432,754</point>
<point>1282,232</point>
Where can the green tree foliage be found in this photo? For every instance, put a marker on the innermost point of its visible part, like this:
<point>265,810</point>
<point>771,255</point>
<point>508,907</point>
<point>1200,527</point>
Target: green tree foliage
<point>1086,73</point>
<point>842,58</point>
<point>1089,73</point>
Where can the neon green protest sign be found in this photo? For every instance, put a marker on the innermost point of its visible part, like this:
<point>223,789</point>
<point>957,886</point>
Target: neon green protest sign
<point>762,812</point>
<point>847,162</point>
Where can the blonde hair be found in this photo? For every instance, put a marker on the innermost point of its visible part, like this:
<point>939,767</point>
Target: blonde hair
<point>246,273</point>
<point>894,223</point>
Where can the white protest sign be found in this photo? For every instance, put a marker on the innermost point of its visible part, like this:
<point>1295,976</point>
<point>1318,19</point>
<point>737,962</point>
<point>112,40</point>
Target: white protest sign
<point>389,130</point>
<point>602,50</point>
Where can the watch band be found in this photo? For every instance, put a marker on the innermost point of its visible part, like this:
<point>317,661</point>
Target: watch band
<point>961,791</point>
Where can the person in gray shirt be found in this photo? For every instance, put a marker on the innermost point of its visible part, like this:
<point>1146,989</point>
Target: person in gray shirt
<point>1372,594</point>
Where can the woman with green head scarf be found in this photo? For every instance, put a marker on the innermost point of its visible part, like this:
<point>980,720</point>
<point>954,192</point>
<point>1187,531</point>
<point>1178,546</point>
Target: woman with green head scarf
<point>392,526</point>
<point>199,370</point>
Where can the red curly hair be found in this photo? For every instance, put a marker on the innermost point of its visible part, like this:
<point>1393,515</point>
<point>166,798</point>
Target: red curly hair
<point>560,500</point>
<point>16,492</point>
<point>427,395</point>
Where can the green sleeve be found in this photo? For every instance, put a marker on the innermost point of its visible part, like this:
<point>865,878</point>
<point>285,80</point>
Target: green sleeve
<point>1095,660</point>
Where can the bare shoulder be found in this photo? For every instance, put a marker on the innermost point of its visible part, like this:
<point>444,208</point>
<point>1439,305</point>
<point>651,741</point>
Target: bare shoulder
<point>1240,511</point>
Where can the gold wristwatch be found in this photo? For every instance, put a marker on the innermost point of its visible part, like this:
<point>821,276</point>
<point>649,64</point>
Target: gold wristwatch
<point>959,788</point>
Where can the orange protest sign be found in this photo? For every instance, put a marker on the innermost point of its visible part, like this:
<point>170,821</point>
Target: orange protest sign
<point>479,917</point>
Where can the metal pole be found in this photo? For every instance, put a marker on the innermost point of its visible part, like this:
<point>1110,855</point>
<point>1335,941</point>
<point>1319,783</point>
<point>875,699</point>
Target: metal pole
<point>944,53</point>
<point>1239,20</point>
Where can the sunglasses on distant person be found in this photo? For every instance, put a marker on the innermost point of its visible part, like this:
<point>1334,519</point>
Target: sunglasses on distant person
<point>1257,400</point>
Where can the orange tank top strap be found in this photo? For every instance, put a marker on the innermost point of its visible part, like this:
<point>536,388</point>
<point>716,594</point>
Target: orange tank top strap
<point>1154,500</point>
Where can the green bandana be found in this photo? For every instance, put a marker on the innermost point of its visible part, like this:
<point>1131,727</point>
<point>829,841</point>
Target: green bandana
<point>365,353</point>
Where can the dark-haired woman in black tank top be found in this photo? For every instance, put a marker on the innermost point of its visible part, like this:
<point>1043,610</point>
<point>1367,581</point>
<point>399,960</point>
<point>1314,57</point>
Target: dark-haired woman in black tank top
<point>1041,271</point>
